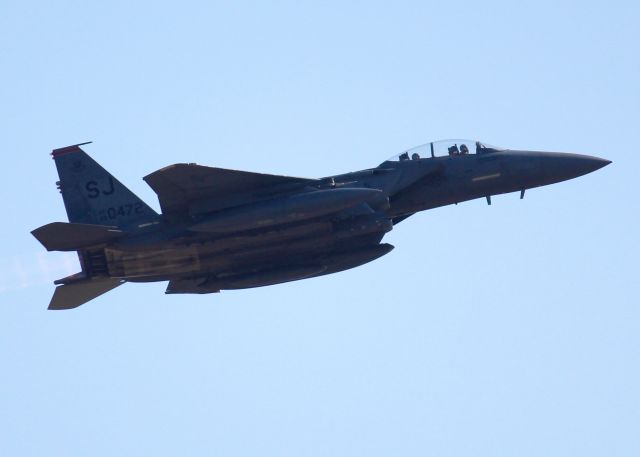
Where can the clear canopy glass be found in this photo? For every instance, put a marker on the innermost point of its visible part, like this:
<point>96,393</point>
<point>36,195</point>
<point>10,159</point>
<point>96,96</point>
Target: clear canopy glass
<point>455,147</point>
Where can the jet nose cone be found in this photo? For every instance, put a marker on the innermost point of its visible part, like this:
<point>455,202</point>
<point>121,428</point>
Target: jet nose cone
<point>598,163</point>
<point>582,164</point>
<point>563,166</point>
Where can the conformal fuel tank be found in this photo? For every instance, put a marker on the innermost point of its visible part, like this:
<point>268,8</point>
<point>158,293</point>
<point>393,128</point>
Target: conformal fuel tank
<point>283,210</point>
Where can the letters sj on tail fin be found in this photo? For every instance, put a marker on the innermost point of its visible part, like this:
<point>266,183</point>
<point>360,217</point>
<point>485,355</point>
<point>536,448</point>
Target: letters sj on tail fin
<point>92,195</point>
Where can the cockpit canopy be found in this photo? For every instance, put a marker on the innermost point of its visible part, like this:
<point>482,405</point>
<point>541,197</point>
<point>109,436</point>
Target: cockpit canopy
<point>445,148</point>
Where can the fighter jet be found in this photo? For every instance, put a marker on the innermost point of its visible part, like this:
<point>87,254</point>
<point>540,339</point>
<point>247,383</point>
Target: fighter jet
<point>224,229</point>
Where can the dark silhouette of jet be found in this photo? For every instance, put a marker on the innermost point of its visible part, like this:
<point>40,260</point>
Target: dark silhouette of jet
<point>225,229</point>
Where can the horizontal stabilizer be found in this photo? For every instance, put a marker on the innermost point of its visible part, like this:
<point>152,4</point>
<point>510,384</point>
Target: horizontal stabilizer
<point>65,236</point>
<point>72,295</point>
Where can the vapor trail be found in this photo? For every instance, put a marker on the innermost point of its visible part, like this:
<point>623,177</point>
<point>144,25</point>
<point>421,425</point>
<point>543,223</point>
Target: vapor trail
<point>35,269</point>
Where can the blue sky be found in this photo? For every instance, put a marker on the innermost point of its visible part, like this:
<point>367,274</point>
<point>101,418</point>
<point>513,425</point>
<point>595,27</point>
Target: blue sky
<point>489,331</point>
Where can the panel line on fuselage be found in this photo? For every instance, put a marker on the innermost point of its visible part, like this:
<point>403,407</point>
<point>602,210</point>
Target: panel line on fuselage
<point>485,177</point>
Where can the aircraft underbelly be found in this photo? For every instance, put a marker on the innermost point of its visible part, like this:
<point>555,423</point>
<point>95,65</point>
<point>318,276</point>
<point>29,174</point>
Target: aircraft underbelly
<point>275,248</point>
<point>135,264</point>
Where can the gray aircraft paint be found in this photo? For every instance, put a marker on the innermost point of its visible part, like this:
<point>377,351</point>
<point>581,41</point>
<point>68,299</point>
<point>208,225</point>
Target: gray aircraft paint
<point>225,229</point>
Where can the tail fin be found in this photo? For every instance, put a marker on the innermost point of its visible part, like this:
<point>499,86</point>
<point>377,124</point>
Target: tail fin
<point>77,293</point>
<point>93,196</point>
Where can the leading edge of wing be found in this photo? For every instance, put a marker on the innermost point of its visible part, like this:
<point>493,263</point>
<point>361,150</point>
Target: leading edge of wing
<point>181,183</point>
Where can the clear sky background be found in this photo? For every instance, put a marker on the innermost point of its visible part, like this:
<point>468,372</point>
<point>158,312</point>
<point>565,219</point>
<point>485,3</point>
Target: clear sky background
<point>503,330</point>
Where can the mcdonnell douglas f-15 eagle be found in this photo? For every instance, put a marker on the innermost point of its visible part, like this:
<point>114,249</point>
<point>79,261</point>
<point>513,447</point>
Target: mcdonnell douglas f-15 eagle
<point>225,229</point>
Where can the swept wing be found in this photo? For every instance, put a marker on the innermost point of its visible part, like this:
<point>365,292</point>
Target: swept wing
<point>181,184</point>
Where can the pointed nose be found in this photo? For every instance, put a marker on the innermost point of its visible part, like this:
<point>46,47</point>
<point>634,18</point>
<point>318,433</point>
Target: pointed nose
<point>590,163</point>
<point>562,166</point>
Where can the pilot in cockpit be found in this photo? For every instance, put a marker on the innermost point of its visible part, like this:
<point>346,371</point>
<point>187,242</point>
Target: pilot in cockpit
<point>464,149</point>
<point>453,150</point>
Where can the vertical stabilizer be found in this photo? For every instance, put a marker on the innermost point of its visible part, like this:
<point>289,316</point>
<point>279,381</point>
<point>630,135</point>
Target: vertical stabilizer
<point>93,196</point>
